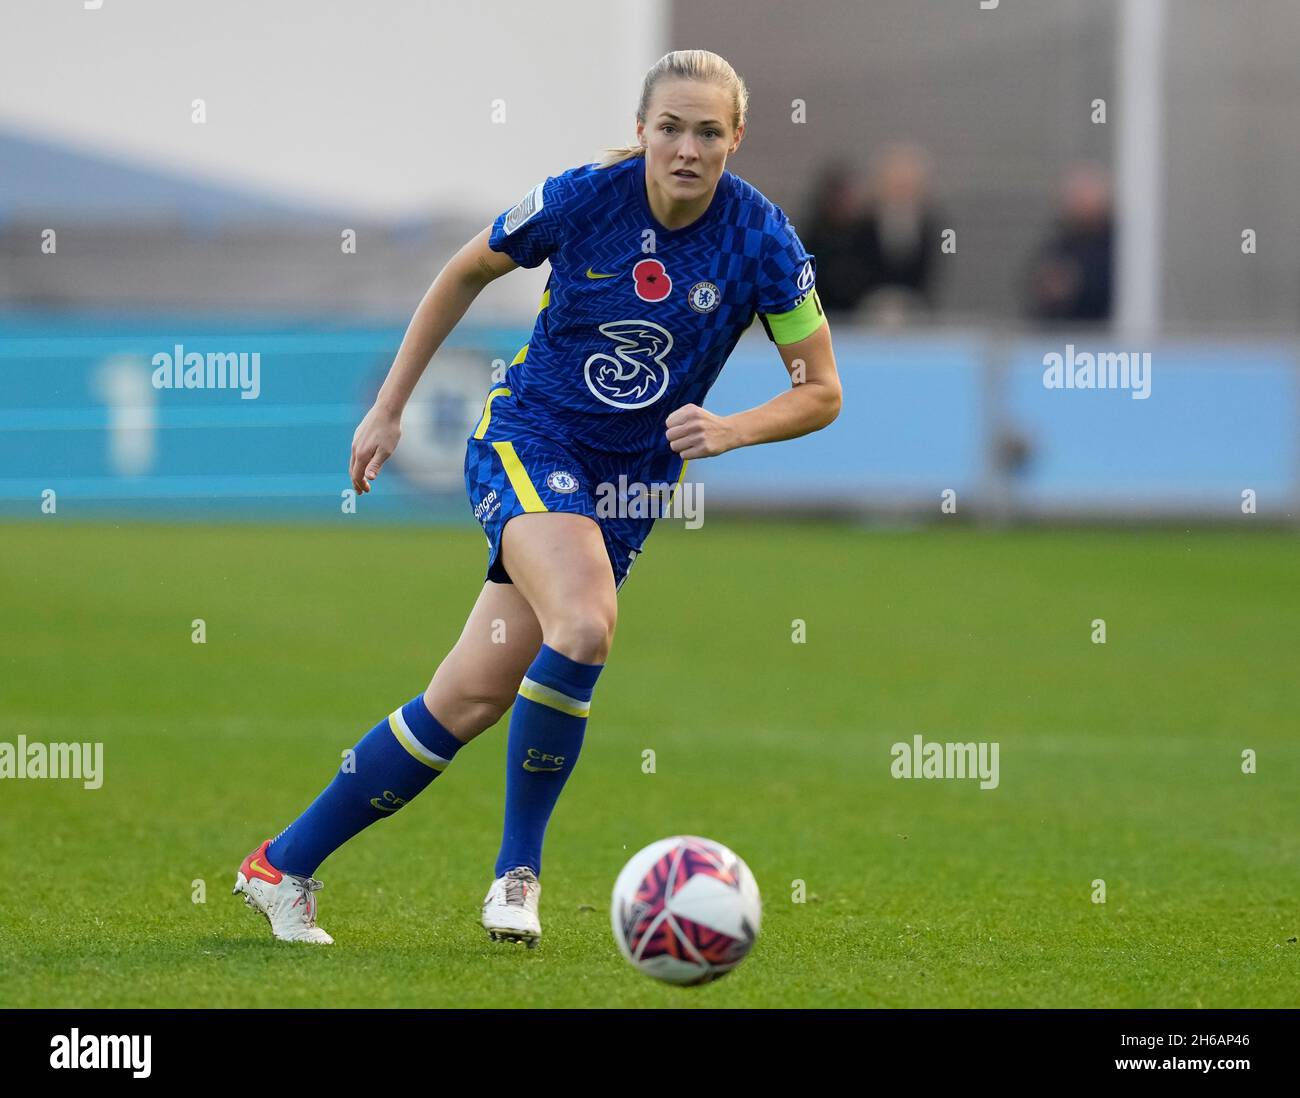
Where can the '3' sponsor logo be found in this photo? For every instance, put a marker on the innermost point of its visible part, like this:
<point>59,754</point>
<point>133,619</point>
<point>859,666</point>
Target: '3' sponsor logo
<point>635,374</point>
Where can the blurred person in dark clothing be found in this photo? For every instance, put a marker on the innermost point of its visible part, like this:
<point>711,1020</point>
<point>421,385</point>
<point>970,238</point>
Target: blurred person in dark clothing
<point>835,234</point>
<point>901,233</point>
<point>1070,276</point>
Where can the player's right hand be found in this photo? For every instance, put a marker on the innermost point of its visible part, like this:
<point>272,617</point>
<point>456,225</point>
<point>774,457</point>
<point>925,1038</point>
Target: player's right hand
<point>373,444</point>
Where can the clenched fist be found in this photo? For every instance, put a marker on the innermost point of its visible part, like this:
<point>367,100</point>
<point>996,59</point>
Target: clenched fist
<point>695,433</point>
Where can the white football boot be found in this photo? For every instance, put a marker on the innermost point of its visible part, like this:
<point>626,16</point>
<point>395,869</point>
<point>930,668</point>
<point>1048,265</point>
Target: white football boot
<point>510,908</point>
<point>288,902</point>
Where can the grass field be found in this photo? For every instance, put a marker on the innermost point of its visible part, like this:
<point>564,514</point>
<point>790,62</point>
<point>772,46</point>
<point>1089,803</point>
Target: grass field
<point>1119,761</point>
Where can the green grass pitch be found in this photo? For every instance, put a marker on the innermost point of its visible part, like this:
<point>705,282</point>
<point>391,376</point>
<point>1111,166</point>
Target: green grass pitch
<point>1120,761</point>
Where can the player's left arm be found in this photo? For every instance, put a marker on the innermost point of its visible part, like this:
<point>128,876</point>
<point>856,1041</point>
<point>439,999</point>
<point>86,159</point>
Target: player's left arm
<point>811,403</point>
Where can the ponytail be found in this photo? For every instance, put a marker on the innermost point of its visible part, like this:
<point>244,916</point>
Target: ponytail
<point>613,156</point>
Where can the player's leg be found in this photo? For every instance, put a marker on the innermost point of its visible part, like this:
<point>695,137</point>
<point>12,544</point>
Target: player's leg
<point>410,747</point>
<point>560,565</point>
<point>477,680</point>
<point>396,760</point>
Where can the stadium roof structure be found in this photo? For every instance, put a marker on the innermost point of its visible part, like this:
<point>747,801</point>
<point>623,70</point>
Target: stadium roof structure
<point>46,179</point>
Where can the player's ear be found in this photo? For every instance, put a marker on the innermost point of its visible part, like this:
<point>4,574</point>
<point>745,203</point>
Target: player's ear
<point>735,141</point>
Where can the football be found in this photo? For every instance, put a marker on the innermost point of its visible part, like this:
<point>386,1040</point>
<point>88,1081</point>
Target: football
<point>685,910</point>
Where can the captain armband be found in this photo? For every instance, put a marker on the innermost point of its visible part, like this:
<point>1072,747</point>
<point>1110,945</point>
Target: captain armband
<point>799,323</point>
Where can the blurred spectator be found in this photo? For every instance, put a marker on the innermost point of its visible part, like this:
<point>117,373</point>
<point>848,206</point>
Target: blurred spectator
<point>901,234</point>
<point>836,235</point>
<point>1070,277</point>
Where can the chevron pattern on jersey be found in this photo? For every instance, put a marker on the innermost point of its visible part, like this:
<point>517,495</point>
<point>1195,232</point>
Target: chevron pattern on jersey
<point>640,318</point>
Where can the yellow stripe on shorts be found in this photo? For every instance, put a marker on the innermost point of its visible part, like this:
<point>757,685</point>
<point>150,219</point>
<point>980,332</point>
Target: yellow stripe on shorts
<point>679,482</point>
<point>518,477</point>
<point>482,427</point>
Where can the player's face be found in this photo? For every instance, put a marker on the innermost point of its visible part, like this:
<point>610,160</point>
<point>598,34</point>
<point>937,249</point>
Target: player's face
<point>688,137</point>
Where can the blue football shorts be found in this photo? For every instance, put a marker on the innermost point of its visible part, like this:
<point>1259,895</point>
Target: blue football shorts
<point>512,468</point>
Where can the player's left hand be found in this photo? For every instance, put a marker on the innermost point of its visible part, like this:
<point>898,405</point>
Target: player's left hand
<point>695,433</point>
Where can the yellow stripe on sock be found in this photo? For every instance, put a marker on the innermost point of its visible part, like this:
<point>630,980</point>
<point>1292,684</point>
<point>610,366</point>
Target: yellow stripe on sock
<point>417,750</point>
<point>544,695</point>
<point>518,477</point>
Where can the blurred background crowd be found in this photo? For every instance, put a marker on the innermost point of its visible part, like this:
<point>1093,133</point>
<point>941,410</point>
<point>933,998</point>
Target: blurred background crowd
<point>877,239</point>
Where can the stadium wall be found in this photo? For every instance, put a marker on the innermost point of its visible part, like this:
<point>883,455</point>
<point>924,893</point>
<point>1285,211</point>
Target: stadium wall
<point>965,413</point>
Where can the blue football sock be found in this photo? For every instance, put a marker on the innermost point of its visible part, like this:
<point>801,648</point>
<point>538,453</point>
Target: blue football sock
<point>392,763</point>
<point>546,729</point>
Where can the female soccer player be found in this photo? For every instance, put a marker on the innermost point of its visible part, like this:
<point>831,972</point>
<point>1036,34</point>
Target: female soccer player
<point>660,259</point>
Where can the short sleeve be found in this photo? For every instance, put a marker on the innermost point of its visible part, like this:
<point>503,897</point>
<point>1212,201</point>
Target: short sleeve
<point>787,286</point>
<point>787,273</point>
<point>531,231</point>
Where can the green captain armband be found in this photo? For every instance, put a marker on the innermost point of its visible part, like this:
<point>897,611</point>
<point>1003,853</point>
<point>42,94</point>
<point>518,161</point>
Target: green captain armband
<point>799,323</point>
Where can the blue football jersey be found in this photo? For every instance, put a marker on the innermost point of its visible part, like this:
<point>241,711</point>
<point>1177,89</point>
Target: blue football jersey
<point>637,320</point>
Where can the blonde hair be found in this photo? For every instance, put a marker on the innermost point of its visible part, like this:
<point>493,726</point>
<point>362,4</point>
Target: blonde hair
<point>684,65</point>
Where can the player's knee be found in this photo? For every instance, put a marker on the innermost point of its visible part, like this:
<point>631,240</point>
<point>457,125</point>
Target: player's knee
<point>583,636</point>
<point>469,711</point>
<point>482,713</point>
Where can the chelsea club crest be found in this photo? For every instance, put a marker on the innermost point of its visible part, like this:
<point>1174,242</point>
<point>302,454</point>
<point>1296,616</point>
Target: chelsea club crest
<point>560,481</point>
<point>704,297</point>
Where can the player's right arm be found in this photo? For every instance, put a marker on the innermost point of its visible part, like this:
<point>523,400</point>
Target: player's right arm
<point>440,310</point>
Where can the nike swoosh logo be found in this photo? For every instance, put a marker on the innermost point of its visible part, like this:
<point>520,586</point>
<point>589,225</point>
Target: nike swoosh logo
<point>376,803</point>
<point>540,769</point>
<point>258,867</point>
<point>592,274</point>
